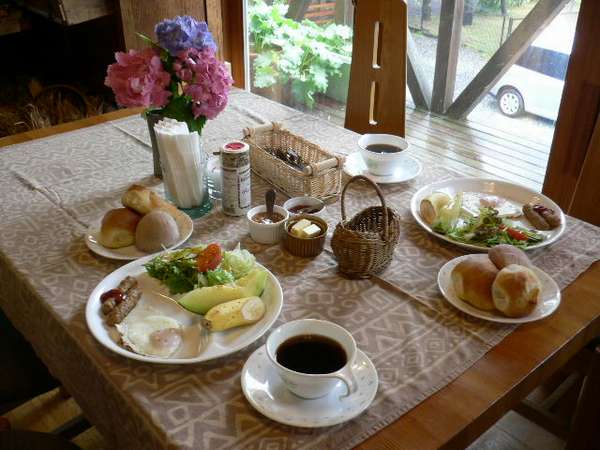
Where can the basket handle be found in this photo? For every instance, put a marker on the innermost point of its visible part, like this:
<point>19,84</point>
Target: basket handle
<point>250,132</point>
<point>316,168</point>
<point>379,194</point>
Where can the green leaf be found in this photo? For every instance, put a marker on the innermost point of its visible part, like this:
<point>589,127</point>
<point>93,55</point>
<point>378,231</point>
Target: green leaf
<point>180,108</point>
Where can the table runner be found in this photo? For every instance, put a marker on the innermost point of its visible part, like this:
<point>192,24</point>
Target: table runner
<point>53,188</point>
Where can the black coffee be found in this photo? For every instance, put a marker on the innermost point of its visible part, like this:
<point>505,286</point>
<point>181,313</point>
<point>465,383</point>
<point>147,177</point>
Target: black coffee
<point>311,353</point>
<point>383,148</point>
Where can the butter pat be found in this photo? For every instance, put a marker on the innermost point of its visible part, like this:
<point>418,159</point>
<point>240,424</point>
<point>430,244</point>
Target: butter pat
<point>299,226</point>
<point>310,231</point>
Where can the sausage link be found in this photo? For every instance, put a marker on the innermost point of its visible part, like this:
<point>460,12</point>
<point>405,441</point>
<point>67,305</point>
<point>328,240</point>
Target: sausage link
<point>120,311</point>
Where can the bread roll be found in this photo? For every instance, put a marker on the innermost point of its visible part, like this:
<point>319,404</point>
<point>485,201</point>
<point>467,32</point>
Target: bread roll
<point>144,200</point>
<point>473,279</point>
<point>505,254</point>
<point>118,228</point>
<point>516,290</point>
<point>156,230</point>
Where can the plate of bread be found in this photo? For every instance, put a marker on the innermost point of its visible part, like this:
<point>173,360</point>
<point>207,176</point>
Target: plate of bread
<point>501,286</point>
<point>146,224</point>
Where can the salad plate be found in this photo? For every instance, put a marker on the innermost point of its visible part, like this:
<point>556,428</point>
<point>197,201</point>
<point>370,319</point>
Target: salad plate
<point>548,302</point>
<point>198,346</point>
<point>513,197</point>
<point>410,168</point>
<point>130,252</point>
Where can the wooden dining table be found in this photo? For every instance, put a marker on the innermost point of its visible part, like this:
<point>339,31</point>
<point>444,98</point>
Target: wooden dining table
<point>458,413</point>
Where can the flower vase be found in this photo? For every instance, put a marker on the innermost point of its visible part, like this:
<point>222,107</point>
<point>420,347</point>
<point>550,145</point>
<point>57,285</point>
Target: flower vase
<point>152,119</point>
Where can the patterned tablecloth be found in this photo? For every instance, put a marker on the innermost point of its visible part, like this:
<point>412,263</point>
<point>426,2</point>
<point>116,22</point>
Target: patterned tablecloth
<point>53,188</point>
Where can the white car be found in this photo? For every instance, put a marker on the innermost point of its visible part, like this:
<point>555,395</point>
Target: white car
<point>534,84</point>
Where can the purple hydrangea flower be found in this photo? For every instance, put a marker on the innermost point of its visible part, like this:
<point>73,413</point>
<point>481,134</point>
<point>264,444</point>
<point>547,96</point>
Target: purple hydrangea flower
<point>182,33</point>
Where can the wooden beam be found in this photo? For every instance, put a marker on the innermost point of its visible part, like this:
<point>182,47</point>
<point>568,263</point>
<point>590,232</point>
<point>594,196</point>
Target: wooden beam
<point>214,19</point>
<point>416,80</point>
<point>233,40</point>
<point>446,59</point>
<point>535,22</point>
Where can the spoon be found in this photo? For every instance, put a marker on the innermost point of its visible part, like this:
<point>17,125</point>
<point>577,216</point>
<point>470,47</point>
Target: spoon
<point>270,202</point>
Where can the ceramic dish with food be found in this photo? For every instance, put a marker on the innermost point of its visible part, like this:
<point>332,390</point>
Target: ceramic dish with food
<point>382,153</point>
<point>503,287</point>
<point>305,235</point>
<point>185,306</point>
<point>477,214</point>
<point>265,228</point>
<point>304,205</point>
<point>146,224</point>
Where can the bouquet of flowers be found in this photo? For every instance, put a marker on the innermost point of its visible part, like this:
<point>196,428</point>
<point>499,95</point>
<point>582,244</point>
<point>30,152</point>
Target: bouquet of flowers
<point>178,76</point>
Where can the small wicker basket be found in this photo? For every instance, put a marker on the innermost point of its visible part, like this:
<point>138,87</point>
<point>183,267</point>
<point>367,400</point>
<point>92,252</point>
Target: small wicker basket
<point>321,176</point>
<point>364,245</point>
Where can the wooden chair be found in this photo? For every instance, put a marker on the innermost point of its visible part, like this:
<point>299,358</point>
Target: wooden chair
<point>377,92</point>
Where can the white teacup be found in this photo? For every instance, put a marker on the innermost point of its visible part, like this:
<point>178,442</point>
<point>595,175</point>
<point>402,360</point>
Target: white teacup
<point>382,164</point>
<point>308,385</point>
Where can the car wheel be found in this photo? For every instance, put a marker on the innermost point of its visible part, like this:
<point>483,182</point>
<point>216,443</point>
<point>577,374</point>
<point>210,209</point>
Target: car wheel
<point>510,102</point>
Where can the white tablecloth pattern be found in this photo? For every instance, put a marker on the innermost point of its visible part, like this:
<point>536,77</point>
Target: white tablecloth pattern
<point>53,188</point>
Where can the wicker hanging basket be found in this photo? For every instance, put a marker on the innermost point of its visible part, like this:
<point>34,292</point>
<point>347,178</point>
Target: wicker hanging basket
<point>364,245</point>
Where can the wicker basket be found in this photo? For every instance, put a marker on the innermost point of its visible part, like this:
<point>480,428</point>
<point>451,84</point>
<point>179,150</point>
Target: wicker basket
<point>321,176</point>
<point>365,245</point>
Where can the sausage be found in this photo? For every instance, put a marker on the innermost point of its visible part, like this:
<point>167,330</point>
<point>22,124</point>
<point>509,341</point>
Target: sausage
<point>535,218</point>
<point>127,283</point>
<point>120,311</point>
<point>549,215</point>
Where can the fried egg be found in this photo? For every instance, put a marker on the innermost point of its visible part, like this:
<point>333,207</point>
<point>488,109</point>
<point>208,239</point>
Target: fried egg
<point>473,201</point>
<point>152,335</point>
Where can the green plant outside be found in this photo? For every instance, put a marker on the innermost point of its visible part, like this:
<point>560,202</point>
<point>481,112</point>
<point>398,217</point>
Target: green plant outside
<point>304,55</point>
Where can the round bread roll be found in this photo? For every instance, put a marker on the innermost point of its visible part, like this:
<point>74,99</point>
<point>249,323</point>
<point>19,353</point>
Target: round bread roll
<point>472,280</point>
<point>118,228</point>
<point>516,290</point>
<point>156,230</point>
<point>505,254</point>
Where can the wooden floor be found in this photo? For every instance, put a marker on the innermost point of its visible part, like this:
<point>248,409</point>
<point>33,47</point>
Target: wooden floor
<point>471,148</point>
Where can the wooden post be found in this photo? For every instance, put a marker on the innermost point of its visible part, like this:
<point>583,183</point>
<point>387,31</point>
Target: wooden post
<point>297,9</point>
<point>446,58</point>
<point>416,80</point>
<point>214,19</point>
<point>574,164</point>
<point>234,40</point>
<point>537,19</point>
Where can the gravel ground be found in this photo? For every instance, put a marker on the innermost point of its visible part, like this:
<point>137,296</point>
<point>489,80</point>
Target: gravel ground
<point>470,63</point>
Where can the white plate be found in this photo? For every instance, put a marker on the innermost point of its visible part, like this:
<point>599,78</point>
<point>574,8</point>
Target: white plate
<point>548,301</point>
<point>411,168</point>
<point>219,343</point>
<point>130,252</point>
<point>519,195</point>
<point>265,391</point>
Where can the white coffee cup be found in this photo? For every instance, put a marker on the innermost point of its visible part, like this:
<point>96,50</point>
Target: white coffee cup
<point>382,164</point>
<point>308,385</point>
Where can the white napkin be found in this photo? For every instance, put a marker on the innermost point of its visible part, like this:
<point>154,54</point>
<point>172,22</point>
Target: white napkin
<point>183,162</point>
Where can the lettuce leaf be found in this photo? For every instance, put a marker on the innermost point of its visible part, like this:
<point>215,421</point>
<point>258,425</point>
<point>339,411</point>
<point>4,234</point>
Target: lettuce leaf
<point>219,276</point>
<point>449,214</point>
<point>239,262</point>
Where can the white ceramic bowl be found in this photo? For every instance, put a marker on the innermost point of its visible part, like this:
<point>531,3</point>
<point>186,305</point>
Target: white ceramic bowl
<point>382,163</point>
<point>266,233</point>
<point>305,200</point>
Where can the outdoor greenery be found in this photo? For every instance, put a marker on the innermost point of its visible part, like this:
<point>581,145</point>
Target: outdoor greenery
<point>495,4</point>
<point>303,55</point>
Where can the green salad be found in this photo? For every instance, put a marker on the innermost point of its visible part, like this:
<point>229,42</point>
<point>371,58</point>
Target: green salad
<point>486,228</point>
<point>195,267</point>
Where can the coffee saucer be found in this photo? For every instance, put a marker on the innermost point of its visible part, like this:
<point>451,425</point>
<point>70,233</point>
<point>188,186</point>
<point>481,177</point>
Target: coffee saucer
<point>411,168</point>
<point>265,391</point>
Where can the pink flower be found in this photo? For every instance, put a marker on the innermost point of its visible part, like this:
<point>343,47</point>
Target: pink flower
<point>139,79</point>
<point>206,79</point>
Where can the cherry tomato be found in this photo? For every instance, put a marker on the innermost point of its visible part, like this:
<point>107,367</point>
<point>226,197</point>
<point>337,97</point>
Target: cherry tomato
<point>210,258</point>
<point>516,234</point>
